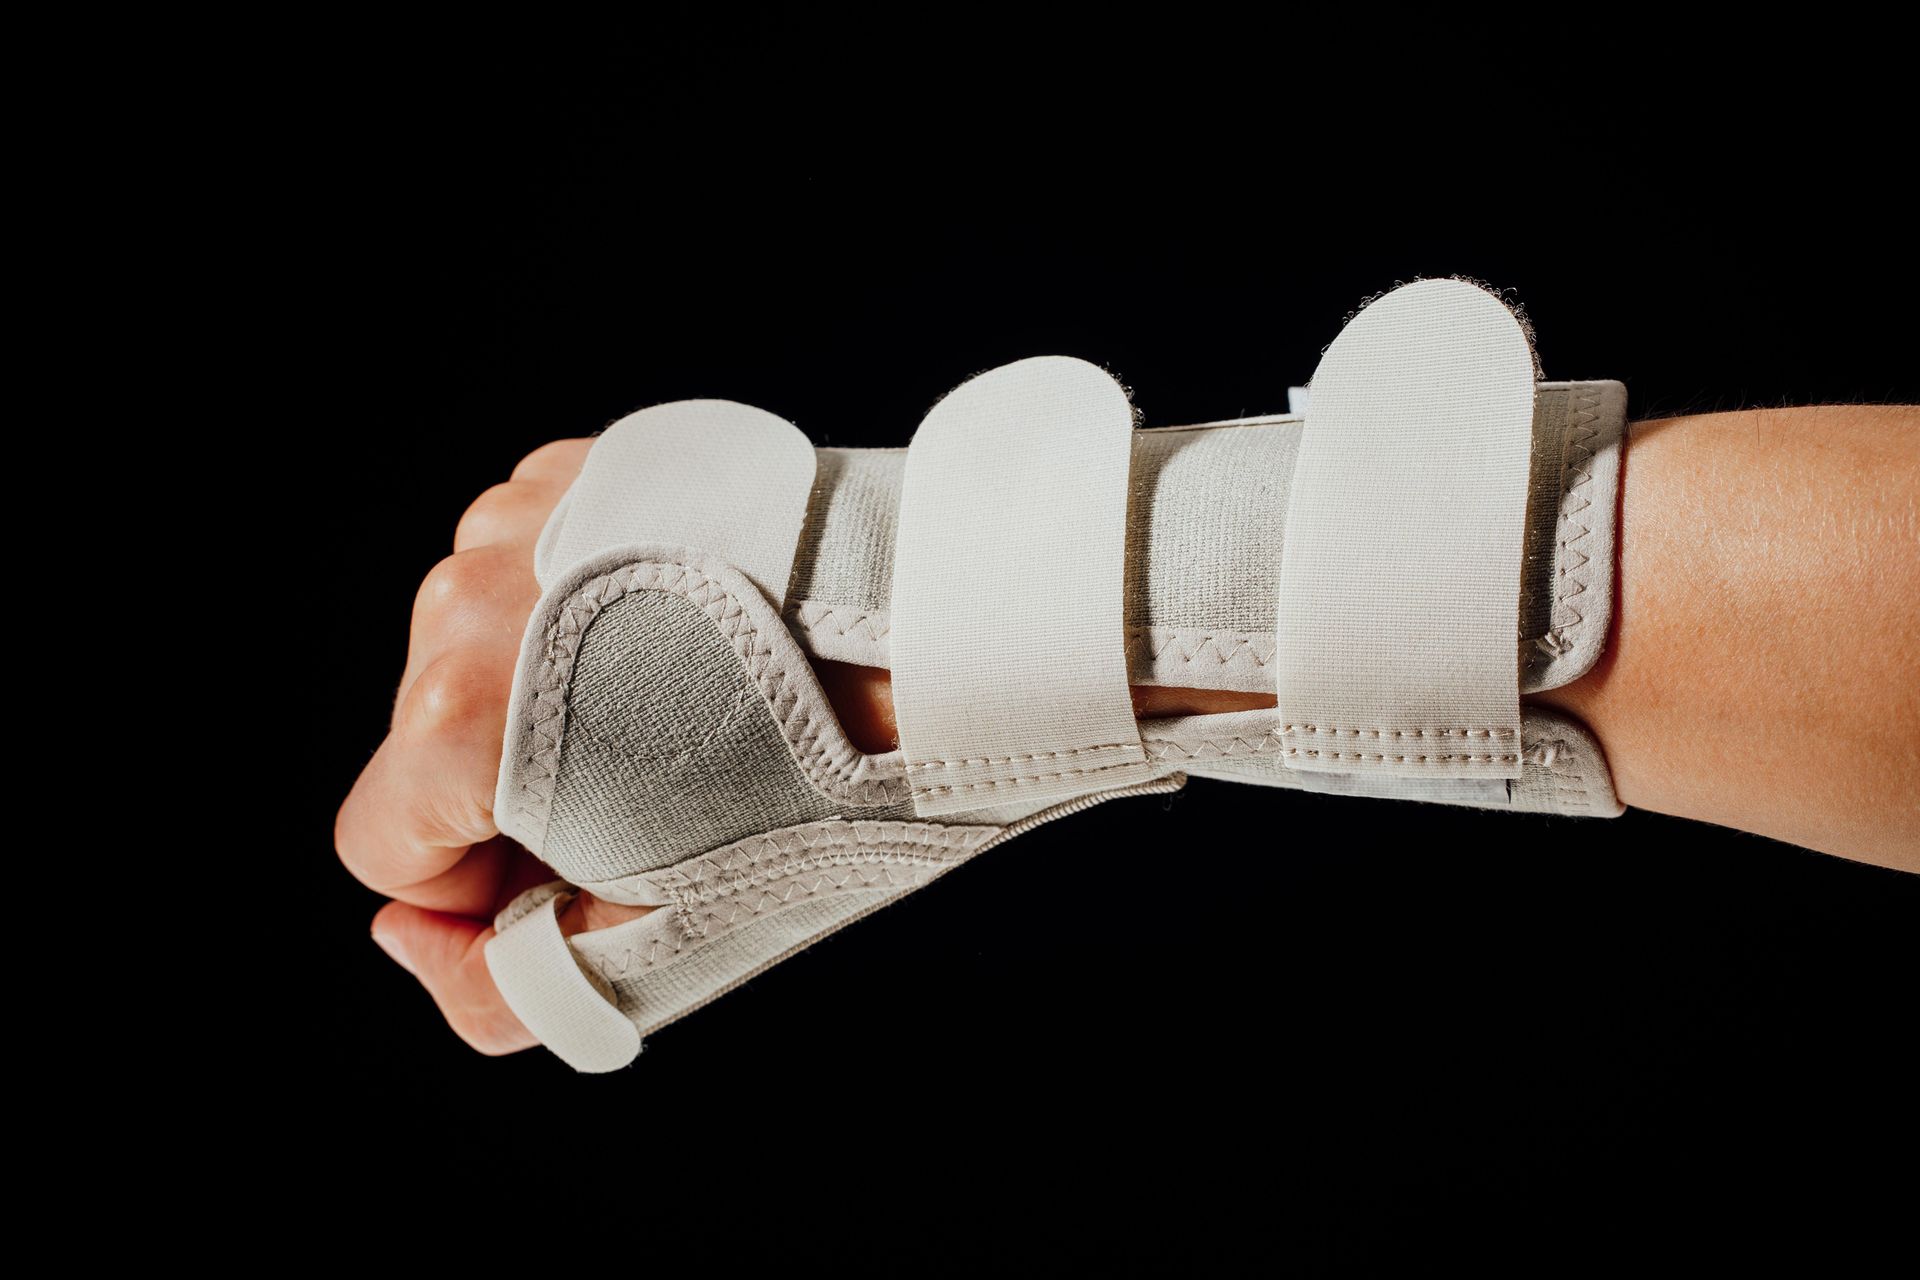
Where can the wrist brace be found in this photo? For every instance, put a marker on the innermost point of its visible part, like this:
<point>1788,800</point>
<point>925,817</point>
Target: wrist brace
<point>1429,538</point>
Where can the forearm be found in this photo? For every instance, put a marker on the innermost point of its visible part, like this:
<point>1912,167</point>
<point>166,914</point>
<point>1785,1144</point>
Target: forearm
<point>1761,670</point>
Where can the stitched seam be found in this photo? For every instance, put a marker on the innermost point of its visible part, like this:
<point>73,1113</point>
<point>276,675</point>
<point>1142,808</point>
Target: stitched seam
<point>1027,759</point>
<point>1576,476</point>
<point>812,616</point>
<point>695,914</point>
<point>1227,646</point>
<point>1566,784</point>
<point>1163,748</point>
<point>960,788</point>
<point>547,712</point>
<point>553,682</point>
<point>1363,756</point>
<point>729,863</point>
<point>1344,732</point>
<point>1164,644</point>
<point>698,925</point>
<point>702,909</point>
<point>623,964</point>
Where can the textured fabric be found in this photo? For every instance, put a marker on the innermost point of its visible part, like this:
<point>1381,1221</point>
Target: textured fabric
<point>1204,540</point>
<point>1398,619</point>
<point>561,1000</point>
<point>758,872</point>
<point>671,750</point>
<point>1008,653</point>
<point>725,477</point>
<point>846,546</point>
<point>658,986</point>
<point>1566,584</point>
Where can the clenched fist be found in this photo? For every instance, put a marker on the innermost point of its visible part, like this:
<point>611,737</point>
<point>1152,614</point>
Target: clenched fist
<point>418,824</point>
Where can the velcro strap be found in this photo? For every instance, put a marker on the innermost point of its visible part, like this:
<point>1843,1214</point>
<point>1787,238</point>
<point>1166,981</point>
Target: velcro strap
<point>723,477</point>
<point>1397,649</point>
<point>1008,644</point>
<point>544,984</point>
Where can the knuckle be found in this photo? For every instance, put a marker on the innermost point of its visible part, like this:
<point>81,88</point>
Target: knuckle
<point>454,693</point>
<point>488,515</point>
<point>458,578</point>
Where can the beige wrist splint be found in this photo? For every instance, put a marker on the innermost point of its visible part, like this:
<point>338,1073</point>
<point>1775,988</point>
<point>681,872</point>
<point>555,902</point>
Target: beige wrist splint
<point>1430,539</point>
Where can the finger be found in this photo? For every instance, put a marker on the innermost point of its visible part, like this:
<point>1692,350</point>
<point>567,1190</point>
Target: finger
<point>426,797</point>
<point>510,514</point>
<point>474,885</point>
<point>556,462</point>
<point>490,875</point>
<point>447,953</point>
<point>480,599</point>
<point>472,606</point>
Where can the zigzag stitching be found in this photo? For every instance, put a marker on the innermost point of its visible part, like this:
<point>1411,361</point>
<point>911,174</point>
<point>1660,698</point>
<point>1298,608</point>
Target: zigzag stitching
<point>1583,427</point>
<point>813,616</point>
<point>1226,645</point>
<point>831,773</point>
<point>1212,748</point>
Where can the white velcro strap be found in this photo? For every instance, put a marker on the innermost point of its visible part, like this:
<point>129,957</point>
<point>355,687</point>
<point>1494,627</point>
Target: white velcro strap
<point>715,475</point>
<point>537,972</point>
<point>1397,649</point>
<point>1008,644</point>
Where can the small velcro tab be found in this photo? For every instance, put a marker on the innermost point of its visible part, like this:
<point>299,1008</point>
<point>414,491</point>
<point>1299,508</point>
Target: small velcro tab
<point>715,475</point>
<point>1008,646</point>
<point>545,985</point>
<point>1397,642</point>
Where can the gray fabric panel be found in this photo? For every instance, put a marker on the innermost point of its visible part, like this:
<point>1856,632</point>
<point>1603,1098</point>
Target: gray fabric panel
<point>846,548</point>
<point>670,749</point>
<point>1210,509</point>
<point>1206,532</point>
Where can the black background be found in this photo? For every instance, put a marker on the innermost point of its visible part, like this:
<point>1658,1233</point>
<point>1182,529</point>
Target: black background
<point>1395,1026</point>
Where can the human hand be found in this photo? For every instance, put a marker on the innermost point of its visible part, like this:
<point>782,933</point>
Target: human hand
<point>418,824</point>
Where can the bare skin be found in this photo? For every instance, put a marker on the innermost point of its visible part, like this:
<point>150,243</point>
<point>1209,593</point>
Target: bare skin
<point>1760,675</point>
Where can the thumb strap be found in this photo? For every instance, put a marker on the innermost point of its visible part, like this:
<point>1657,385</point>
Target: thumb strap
<point>548,988</point>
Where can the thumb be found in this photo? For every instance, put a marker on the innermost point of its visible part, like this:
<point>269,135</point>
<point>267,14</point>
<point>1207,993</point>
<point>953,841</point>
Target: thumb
<point>447,953</point>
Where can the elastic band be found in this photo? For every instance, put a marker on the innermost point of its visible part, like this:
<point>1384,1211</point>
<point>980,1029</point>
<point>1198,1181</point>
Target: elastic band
<point>544,984</point>
<point>1008,644</point>
<point>726,478</point>
<point>1397,644</point>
